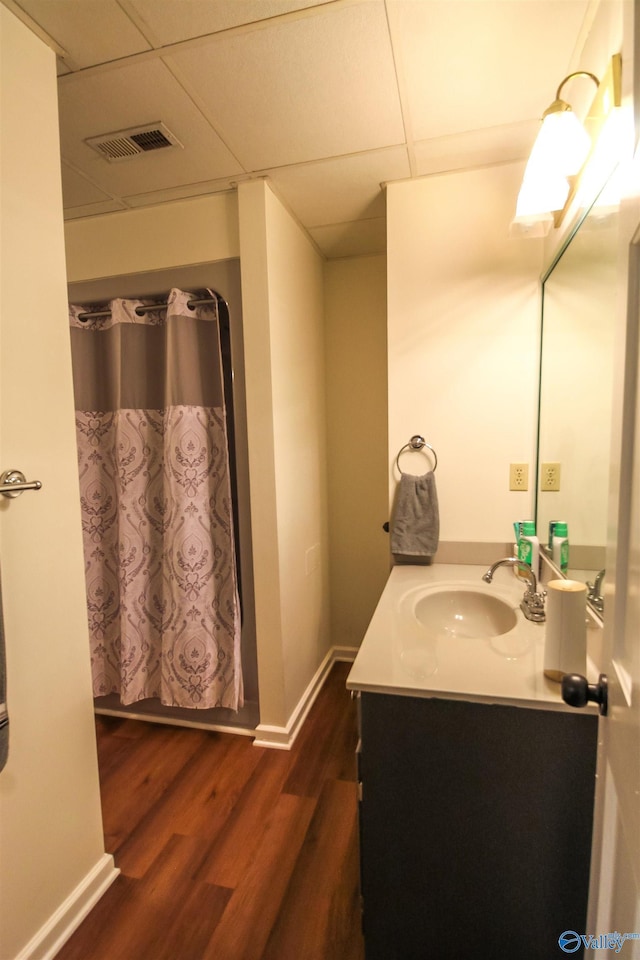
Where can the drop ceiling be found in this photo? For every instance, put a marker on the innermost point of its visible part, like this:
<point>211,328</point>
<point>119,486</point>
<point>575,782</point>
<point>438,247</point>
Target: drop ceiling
<point>328,99</point>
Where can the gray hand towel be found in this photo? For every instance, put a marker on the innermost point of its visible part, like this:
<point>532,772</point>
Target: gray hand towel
<point>415,523</point>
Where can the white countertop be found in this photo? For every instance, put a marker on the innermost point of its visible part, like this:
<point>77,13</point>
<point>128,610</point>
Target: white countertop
<point>398,656</point>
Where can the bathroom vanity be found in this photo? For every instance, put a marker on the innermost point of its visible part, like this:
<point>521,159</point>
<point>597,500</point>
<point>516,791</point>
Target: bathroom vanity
<point>476,781</point>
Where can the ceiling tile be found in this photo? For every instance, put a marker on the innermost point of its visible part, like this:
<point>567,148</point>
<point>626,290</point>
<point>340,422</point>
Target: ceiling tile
<point>90,32</point>
<point>78,190</point>
<point>476,148</point>
<point>129,96</point>
<point>357,239</point>
<point>346,188</point>
<point>504,66</point>
<point>301,90</point>
<point>304,92</point>
<point>170,21</point>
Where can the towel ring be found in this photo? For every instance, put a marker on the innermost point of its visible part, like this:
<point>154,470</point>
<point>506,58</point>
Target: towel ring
<point>417,443</point>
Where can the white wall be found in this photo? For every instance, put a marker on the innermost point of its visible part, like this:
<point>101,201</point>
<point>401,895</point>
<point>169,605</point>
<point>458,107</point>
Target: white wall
<point>463,319</point>
<point>356,342</point>
<point>52,859</point>
<point>284,356</point>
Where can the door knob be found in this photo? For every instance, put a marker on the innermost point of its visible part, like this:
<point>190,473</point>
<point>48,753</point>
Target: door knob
<point>577,692</point>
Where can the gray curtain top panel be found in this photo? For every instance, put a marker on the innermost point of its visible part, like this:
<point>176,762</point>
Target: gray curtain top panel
<point>147,366</point>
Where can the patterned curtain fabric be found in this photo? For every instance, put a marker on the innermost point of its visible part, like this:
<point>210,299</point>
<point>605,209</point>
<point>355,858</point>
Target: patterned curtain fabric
<point>162,598</point>
<point>4,715</point>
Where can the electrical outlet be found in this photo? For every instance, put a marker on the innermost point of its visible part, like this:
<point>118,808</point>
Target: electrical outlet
<point>550,476</point>
<point>518,476</point>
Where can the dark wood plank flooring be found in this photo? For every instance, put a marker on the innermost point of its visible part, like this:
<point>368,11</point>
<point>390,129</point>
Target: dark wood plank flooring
<point>229,851</point>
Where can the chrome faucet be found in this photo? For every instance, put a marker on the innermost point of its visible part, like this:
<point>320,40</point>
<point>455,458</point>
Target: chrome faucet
<point>532,604</point>
<point>594,596</point>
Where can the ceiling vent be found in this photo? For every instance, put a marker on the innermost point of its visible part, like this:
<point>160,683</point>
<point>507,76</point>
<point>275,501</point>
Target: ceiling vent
<point>125,144</point>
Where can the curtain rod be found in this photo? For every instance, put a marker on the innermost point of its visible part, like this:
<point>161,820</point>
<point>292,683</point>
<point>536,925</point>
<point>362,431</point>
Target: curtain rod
<point>148,308</point>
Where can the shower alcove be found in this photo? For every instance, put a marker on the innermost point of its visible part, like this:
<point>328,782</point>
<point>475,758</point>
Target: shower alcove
<point>224,278</point>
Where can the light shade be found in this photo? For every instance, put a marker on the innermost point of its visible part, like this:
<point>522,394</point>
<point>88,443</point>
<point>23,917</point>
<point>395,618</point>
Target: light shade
<point>542,191</point>
<point>560,150</point>
<point>559,153</point>
<point>562,144</point>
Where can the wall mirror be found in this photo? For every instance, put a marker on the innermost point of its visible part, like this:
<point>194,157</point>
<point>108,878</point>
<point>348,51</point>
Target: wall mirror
<point>576,386</point>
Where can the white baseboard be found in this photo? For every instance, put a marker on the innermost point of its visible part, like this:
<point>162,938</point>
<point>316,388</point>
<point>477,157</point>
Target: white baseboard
<point>71,912</point>
<point>283,738</point>
<point>344,654</point>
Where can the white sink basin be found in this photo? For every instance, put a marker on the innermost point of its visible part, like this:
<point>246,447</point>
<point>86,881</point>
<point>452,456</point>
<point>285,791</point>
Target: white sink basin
<point>464,613</point>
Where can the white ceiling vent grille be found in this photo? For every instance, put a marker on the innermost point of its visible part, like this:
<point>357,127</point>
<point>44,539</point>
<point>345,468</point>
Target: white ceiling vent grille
<point>125,144</point>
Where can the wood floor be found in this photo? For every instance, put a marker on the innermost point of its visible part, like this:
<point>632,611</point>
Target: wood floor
<point>229,851</point>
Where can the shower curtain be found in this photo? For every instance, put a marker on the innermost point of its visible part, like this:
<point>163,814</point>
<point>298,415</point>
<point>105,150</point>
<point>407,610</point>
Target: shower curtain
<point>162,597</point>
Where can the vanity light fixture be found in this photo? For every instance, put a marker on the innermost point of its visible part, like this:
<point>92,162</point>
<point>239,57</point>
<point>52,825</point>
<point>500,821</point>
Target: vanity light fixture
<point>560,154</point>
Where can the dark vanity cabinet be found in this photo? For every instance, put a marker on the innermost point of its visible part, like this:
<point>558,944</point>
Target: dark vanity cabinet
<point>475,827</point>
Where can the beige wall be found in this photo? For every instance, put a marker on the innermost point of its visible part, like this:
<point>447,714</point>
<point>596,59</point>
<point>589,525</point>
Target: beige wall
<point>284,357</point>
<point>462,343</point>
<point>356,350</point>
<point>51,833</point>
<point>153,238</point>
<point>298,370</point>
